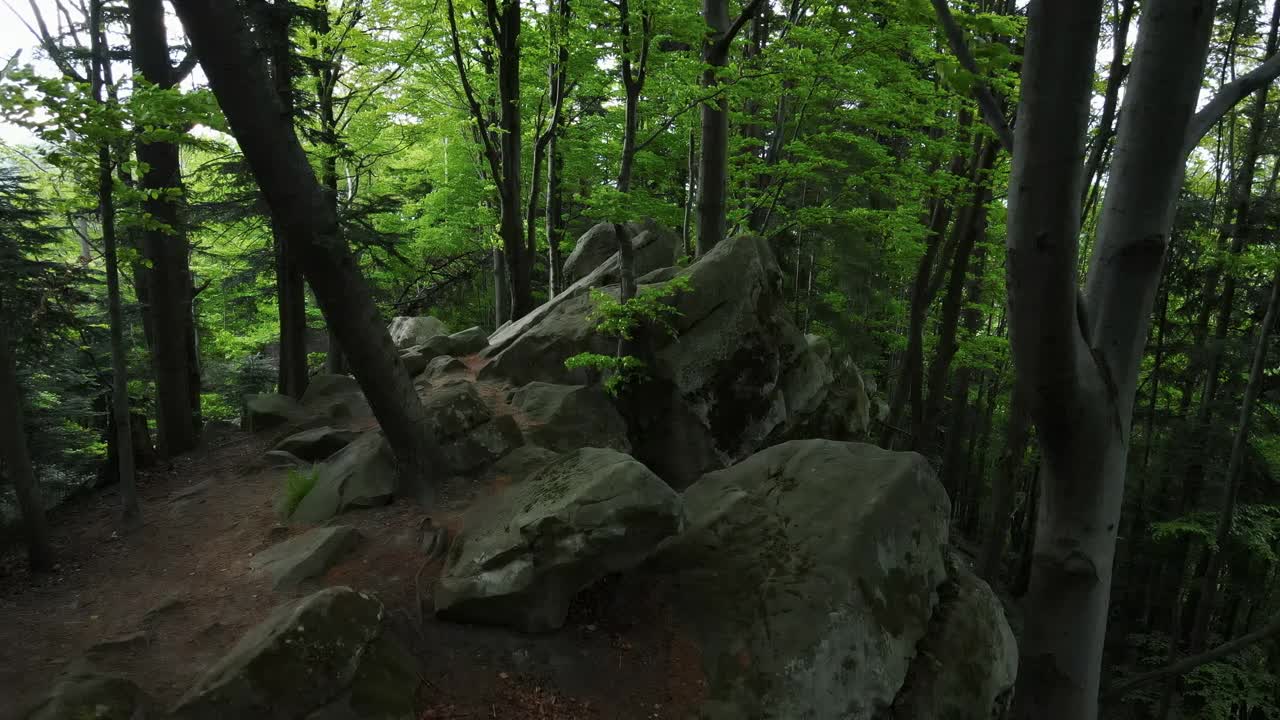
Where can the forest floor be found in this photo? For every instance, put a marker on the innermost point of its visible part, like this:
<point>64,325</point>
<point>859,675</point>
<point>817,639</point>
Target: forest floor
<point>161,604</point>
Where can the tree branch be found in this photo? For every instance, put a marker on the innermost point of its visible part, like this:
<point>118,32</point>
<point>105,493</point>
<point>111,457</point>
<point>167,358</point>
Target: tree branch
<point>1227,97</point>
<point>1188,664</point>
<point>722,45</point>
<point>490,152</point>
<point>987,103</point>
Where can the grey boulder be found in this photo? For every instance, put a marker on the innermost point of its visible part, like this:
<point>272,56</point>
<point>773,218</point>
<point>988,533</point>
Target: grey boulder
<point>317,443</point>
<point>806,578</point>
<point>265,411</point>
<point>87,694</point>
<point>409,331</point>
<point>323,652</point>
<point>655,247</point>
<point>336,397</point>
<point>966,667</point>
<point>568,417</point>
<point>305,556</point>
<point>524,554</point>
<point>363,474</point>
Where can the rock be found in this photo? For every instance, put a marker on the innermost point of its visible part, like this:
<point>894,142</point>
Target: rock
<point>966,666</point>
<point>363,474</point>
<point>337,397</point>
<point>440,367</point>
<point>539,351</point>
<point>282,459</point>
<point>807,578</point>
<point>482,445</point>
<point>121,643</point>
<point>87,694</point>
<point>524,461</point>
<point>522,555</point>
<point>268,410</point>
<point>453,410</point>
<point>304,556</point>
<point>167,605</point>
<point>326,650</point>
<point>469,341</point>
<point>409,331</point>
<point>655,248</point>
<point>568,417</point>
<point>316,444</point>
<point>660,275</point>
<point>736,377</point>
<point>819,345</point>
<point>415,361</point>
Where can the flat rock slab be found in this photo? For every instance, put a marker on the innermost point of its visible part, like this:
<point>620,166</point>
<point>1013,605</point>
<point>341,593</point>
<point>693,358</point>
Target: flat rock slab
<point>305,556</point>
<point>363,474</point>
<point>524,554</point>
<point>316,444</point>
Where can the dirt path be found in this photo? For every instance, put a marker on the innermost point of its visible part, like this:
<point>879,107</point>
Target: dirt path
<point>172,597</point>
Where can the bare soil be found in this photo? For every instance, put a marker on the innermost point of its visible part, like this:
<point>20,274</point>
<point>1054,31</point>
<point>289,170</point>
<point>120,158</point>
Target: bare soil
<point>160,604</point>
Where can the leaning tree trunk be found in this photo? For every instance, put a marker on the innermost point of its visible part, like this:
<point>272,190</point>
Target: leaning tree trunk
<point>131,515</point>
<point>13,450</point>
<point>253,111</point>
<point>169,286</point>
<point>1078,359</point>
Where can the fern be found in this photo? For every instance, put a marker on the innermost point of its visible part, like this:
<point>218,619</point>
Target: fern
<point>297,485</point>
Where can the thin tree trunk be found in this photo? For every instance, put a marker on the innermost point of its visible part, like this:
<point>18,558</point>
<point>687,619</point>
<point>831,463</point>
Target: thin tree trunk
<point>131,515</point>
<point>1017,435</point>
<point>501,288</point>
<point>691,193</point>
<point>240,84</point>
<point>519,265</point>
<point>13,450</point>
<point>555,214</point>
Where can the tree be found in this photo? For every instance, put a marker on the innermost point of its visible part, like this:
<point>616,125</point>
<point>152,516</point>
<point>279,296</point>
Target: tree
<point>239,81</point>
<point>168,277</point>
<point>1077,354</point>
<point>713,169</point>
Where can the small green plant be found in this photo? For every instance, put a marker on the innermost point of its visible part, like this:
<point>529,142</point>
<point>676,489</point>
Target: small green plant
<point>621,319</point>
<point>297,485</point>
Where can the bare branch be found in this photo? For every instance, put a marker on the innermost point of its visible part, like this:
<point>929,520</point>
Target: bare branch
<point>1227,97</point>
<point>987,103</point>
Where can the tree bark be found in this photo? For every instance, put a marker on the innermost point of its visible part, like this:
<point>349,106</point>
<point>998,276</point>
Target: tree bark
<point>13,450</point>
<point>130,513</point>
<point>169,284</point>
<point>240,84</point>
<point>291,292</point>
<point>1078,360</point>
<point>713,170</point>
<point>1017,435</point>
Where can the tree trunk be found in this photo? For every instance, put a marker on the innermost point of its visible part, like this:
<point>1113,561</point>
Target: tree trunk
<point>131,515</point>
<point>13,450</point>
<point>519,267</point>
<point>1077,360</point>
<point>291,292</point>
<point>690,193</point>
<point>253,111</point>
<point>501,289</point>
<point>555,214</point>
<point>169,284</point>
<point>1017,435</point>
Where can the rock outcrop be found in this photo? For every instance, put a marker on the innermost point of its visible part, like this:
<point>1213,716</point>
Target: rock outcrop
<point>655,247</point>
<point>966,666</point>
<point>88,694</point>
<point>736,377</point>
<point>807,578</point>
<point>363,474</point>
<point>568,417</point>
<point>522,556</point>
<point>300,558</point>
<point>409,331</point>
<point>324,653</point>
<point>316,444</point>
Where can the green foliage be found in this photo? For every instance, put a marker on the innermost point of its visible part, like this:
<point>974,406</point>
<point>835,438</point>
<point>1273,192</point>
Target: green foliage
<point>297,485</point>
<point>649,307</point>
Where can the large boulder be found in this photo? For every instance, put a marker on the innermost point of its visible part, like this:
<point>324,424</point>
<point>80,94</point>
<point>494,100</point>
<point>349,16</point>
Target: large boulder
<point>409,331</point>
<point>87,694</point>
<point>806,578</point>
<point>736,376</point>
<point>655,247</point>
<point>469,341</point>
<point>442,370</point>
<point>300,558</point>
<point>524,554</point>
<point>322,654</point>
<point>455,409</point>
<point>483,445</point>
<point>568,417</point>
<point>317,443</point>
<point>966,666</point>
<point>363,474</point>
<point>336,397</point>
<point>265,411</point>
